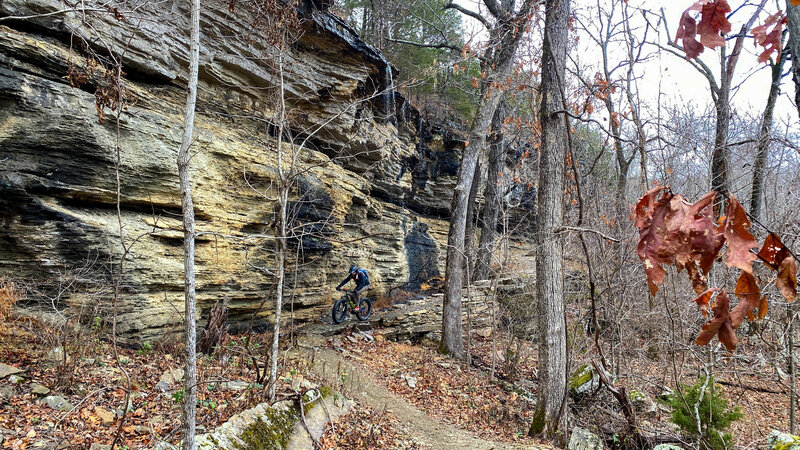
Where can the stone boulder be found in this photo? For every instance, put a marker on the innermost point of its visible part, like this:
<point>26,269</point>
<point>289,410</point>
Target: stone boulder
<point>783,441</point>
<point>583,439</point>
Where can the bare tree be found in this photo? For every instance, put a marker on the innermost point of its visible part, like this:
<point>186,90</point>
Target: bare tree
<point>190,382</point>
<point>762,144</point>
<point>549,415</point>
<point>793,16</point>
<point>491,207</point>
<point>504,38</point>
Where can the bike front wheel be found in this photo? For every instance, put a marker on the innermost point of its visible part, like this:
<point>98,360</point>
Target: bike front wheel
<point>339,310</point>
<point>364,309</point>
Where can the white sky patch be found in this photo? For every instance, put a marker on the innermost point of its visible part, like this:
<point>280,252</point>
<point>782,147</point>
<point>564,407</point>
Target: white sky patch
<point>678,82</point>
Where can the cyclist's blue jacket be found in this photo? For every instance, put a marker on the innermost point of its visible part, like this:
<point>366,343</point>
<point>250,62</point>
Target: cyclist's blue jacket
<point>360,276</point>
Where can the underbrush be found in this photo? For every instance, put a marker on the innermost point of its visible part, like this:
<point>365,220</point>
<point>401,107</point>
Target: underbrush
<point>96,394</point>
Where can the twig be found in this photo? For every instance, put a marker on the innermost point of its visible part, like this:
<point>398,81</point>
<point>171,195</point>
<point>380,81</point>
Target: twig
<point>564,228</point>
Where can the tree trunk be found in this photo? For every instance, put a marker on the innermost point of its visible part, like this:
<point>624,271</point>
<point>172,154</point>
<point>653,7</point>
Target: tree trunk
<point>469,231</point>
<point>763,138</point>
<point>793,13</point>
<point>503,42</point>
<point>280,261</point>
<point>190,383</point>
<point>491,196</point>
<point>549,413</point>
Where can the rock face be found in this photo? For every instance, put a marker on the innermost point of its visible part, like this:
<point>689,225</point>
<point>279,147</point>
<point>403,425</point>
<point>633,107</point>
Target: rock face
<point>375,188</point>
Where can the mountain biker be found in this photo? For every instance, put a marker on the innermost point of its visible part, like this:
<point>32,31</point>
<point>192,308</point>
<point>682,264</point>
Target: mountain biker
<point>361,278</point>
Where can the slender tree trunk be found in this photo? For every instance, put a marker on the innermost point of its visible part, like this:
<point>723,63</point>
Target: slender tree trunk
<point>762,148</point>
<point>470,230</point>
<point>792,374</point>
<point>190,383</point>
<point>491,206</point>
<point>793,13</point>
<point>280,228</point>
<point>720,154</point>
<point>549,414</point>
<point>280,261</point>
<point>503,42</point>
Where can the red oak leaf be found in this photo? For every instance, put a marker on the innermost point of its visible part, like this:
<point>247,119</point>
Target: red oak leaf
<point>703,301</point>
<point>787,278</point>
<point>713,21</point>
<point>770,40</point>
<point>687,30</point>
<point>773,252</point>
<point>749,299</point>
<point>719,325</point>
<point>740,241</point>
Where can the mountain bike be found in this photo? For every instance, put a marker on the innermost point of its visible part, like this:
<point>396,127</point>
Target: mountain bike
<point>347,302</point>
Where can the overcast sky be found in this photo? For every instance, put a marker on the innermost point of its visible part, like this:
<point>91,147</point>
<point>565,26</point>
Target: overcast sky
<point>677,79</point>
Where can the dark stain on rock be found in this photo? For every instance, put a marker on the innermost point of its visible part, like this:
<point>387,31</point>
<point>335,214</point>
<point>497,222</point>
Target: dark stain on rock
<point>422,255</point>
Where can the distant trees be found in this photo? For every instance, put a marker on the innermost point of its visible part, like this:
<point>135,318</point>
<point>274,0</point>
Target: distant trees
<point>506,27</point>
<point>426,44</point>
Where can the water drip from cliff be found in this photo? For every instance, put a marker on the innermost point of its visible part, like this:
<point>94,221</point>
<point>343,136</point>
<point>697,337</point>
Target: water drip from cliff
<point>389,97</point>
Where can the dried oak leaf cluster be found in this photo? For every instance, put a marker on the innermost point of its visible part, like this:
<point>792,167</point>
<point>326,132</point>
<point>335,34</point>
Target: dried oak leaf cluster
<point>714,24</point>
<point>673,231</point>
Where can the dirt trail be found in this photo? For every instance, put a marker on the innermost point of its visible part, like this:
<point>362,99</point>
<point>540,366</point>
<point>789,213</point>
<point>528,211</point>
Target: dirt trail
<point>360,384</point>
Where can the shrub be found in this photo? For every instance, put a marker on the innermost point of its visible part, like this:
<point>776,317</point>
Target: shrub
<point>9,296</point>
<point>712,409</point>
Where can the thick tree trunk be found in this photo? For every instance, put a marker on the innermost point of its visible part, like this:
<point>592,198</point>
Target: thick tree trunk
<point>503,42</point>
<point>491,206</point>
<point>549,415</point>
<point>793,13</point>
<point>190,383</point>
<point>762,147</point>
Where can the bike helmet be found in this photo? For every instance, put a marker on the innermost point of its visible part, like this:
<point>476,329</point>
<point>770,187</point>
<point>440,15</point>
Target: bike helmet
<point>353,268</point>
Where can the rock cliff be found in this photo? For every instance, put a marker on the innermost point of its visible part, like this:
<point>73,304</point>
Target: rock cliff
<point>375,190</point>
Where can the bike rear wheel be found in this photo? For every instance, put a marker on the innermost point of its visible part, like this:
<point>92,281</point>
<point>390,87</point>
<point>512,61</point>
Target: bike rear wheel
<point>364,309</point>
<point>339,310</point>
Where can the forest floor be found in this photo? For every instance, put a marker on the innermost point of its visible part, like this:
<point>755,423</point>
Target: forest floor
<point>406,394</point>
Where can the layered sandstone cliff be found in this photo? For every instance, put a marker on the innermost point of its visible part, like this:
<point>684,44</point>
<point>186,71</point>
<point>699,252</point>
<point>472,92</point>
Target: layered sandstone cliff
<point>376,190</point>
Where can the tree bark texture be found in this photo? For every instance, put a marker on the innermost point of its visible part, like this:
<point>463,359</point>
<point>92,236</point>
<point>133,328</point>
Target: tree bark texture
<point>190,382</point>
<point>762,146</point>
<point>549,413</point>
<point>793,13</point>
<point>491,196</point>
<point>503,44</point>
<point>470,229</point>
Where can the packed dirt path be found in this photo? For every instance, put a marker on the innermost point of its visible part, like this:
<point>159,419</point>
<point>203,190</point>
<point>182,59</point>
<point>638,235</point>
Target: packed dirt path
<point>354,381</point>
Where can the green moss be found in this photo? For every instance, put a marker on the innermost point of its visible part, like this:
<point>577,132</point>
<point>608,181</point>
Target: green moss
<point>271,434</point>
<point>538,423</point>
<point>580,377</point>
<point>636,396</point>
<point>787,445</point>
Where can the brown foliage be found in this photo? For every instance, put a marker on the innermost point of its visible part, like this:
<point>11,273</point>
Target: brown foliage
<point>9,296</point>
<point>720,325</point>
<point>770,40</point>
<point>674,231</point>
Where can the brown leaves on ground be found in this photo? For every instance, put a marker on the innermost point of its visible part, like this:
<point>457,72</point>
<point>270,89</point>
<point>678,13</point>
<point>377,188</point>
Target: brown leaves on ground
<point>100,388</point>
<point>442,388</point>
<point>366,428</point>
<point>713,23</point>
<point>768,35</point>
